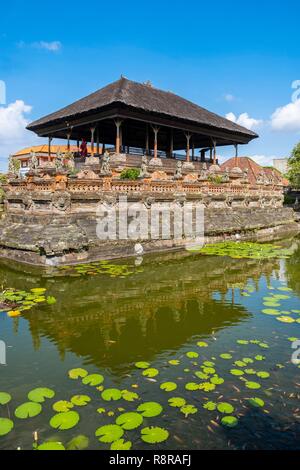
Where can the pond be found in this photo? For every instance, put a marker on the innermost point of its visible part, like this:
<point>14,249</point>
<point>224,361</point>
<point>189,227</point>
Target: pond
<point>173,351</point>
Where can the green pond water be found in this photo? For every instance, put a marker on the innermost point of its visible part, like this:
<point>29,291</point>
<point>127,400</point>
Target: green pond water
<point>200,336</point>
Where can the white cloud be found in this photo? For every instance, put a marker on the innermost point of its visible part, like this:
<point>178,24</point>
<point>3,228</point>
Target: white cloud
<point>264,160</point>
<point>13,133</point>
<point>244,120</point>
<point>53,46</point>
<point>287,118</point>
<point>229,97</point>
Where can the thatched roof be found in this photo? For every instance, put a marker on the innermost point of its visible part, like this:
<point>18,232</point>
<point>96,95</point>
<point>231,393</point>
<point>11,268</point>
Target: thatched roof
<point>145,98</point>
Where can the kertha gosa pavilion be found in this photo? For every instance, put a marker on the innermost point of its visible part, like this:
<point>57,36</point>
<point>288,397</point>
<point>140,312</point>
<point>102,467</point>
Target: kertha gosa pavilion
<point>150,145</point>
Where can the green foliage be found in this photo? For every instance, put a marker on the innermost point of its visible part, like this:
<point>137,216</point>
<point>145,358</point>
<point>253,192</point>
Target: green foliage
<point>64,421</point>
<point>215,179</point>
<point>28,410</point>
<point>130,174</point>
<point>294,167</point>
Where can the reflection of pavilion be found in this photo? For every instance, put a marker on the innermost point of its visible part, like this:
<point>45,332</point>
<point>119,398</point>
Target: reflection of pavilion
<point>111,322</point>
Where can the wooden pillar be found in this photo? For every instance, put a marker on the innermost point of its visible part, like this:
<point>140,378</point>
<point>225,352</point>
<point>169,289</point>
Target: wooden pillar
<point>155,130</point>
<point>171,143</point>
<point>98,142</point>
<point>49,148</point>
<point>236,146</point>
<point>193,151</point>
<point>203,155</point>
<point>118,123</point>
<point>68,137</point>
<point>103,148</point>
<point>147,140</point>
<point>211,154</point>
<point>92,140</point>
<point>188,138</point>
<point>214,151</point>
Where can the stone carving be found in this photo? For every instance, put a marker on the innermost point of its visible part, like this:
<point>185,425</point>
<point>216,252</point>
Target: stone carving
<point>261,178</point>
<point>245,178</point>
<point>203,173</point>
<point>148,201</point>
<point>191,178</point>
<point>59,161</point>
<point>87,174</point>
<point>13,166</point>
<point>226,178</point>
<point>91,161</point>
<point>159,175</point>
<point>33,162</point>
<point>178,171</point>
<point>61,200</point>
<point>156,162</point>
<point>27,201</point>
<point>105,165</point>
<point>189,166</point>
<point>144,168</point>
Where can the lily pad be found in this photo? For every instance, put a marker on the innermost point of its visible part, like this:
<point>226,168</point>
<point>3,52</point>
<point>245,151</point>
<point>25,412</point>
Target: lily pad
<point>121,445</point>
<point>174,362</point>
<point>188,410</point>
<point>28,410</point>
<point>4,398</point>
<point>263,375</point>
<point>207,387</point>
<point>129,396</point>
<point>93,380</point>
<point>229,421</point>
<point>6,425</point>
<point>168,386</point>
<point>256,402</point>
<point>109,433</point>
<point>39,395</point>
<point>225,408</point>
<point>129,421</point>
<point>226,356</point>
<point>253,385</point>
<point>216,380</point>
<point>64,421</point>
<point>202,344</point>
<point>76,373</point>
<point>151,372</point>
<point>62,406</point>
<point>192,355</point>
<point>150,409</point>
<point>111,394</point>
<point>192,386</point>
<point>237,372</point>
<point>142,365</point>
<point>80,442</point>
<point>80,400</point>
<point>177,402</point>
<point>210,406</point>
<point>51,446</point>
<point>154,435</point>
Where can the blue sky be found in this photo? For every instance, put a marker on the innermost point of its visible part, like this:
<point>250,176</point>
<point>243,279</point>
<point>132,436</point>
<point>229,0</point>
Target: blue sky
<point>235,58</point>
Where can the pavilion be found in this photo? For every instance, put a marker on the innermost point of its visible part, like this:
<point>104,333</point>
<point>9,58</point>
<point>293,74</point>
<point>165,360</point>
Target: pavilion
<point>138,119</point>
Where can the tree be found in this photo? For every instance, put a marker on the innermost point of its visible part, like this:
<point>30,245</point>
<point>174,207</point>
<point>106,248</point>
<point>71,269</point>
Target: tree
<point>294,167</point>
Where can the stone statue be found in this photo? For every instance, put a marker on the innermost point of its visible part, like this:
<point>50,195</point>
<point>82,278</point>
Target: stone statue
<point>144,168</point>
<point>261,178</point>
<point>105,165</point>
<point>226,177</point>
<point>59,161</point>
<point>33,163</point>
<point>178,171</point>
<point>203,173</point>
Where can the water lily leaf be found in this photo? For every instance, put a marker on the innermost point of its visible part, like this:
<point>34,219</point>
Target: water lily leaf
<point>192,355</point>
<point>248,360</point>
<point>250,371</point>
<point>216,380</point>
<point>177,402</point>
<point>271,311</point>
<point>129,396</point>
<point>201,375</point>
<point>242,341</point>
<point>38,290</point>
<point>111,394</point>
<point>150,409</point>
<point>209,370</point>
<point>285,289</point>
<point>154,435</point>
<point>260,358</point>
<point>4,398</point>
<point>263,375</point>
<point>240,363</point>
<point>168,386</point>
<point>142,365</point>
<point>285,319</point>
<point>226,356</point>
<point>64,421</point>
<point>28,410</point>
<point>229,421</point>
<point>174,362</point>
<point>264,345</point>
<point>151,372</point>
<point>129,421</point>
<point>80,442</point>
<point>93,380</point>
<point>6,425</point>
<point>202,344</point>
<point>121,445</point>
<point>101,411</point>
<point>188,410</point>
<point>76,373</point>
<point>209,364</point>
<point>80,400</point>
<point>237,372</point>
<point>192,386</point>
<point>253,385</point>
<point>225,408</point>
<point>210,406</point>
<point>207,387</point>
<point>51,446</point>
<point>256,402</point>
<point>62,405</point>
<point>51,300</point>
<point>39,395</point>
<point>109,433</point>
